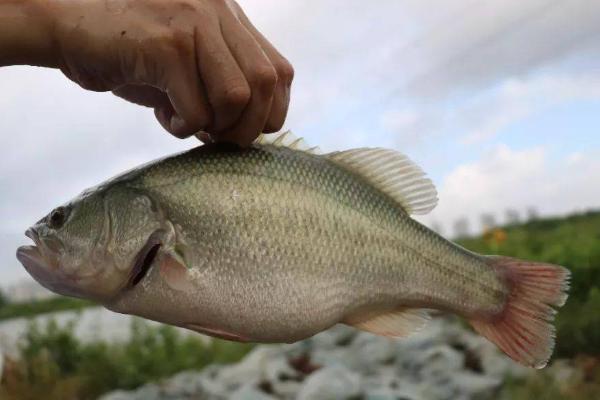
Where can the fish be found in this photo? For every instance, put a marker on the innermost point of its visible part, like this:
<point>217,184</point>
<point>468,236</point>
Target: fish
<point>277,242</point>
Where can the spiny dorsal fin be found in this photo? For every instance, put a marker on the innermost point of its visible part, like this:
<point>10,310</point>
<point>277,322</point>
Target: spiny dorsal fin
<point>389,171</point>
<point>393,173</point>
<point>286,139</point>
<point>397,323</point>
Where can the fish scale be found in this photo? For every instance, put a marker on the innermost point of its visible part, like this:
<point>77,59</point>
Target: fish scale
<point>275,243</point>
<point>280,173</point>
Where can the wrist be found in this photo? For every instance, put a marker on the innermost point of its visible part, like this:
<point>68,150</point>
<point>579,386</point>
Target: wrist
<point>26,36</point>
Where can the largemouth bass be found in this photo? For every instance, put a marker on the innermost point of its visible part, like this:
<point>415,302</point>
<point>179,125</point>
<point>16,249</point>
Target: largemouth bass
<point>276,243</point>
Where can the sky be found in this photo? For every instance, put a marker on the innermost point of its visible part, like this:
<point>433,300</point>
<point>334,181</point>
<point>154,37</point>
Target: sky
<point>498,101</point>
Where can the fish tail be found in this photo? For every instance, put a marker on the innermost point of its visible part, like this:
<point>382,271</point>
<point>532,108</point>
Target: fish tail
<point>524,329</point>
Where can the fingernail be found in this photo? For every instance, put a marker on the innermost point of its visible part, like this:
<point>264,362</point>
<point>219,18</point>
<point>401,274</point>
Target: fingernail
<point>177,123</point>
<point>204,137</point>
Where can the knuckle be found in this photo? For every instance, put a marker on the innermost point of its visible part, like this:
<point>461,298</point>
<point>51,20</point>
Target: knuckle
<point>285,71</point>
<point>264,78</point>
<point>161,43</point>
<point>190,11</point>
<point>235,96</point>
<point>189,6</point>
<point>182,43</point>
<point>171,41</point>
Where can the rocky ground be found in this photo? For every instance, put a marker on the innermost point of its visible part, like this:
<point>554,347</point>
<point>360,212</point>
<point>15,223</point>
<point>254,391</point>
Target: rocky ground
<point>444,361</point>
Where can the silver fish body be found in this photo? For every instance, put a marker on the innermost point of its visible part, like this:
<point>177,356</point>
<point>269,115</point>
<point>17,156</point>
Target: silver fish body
<point>273,244</point>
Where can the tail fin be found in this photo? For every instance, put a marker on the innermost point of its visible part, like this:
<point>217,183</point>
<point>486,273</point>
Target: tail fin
<point>524,330</point>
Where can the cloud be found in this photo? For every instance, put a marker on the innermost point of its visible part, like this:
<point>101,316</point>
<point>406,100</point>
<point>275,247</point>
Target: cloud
<point>412,127</point>
<point>395,55</point>
<point>506,179</point>
<point>516,99</point>
<point>489,41</point>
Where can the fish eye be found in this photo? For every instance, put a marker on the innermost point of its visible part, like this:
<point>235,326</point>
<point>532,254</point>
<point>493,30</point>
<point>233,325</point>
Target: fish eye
<point>57,218</point>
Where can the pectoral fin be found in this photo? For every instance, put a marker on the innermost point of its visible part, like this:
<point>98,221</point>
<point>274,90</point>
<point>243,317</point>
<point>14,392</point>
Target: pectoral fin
<point>174,272</point>
<point>395,323</point>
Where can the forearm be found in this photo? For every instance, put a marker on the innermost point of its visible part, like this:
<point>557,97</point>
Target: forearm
<point>25,34</point>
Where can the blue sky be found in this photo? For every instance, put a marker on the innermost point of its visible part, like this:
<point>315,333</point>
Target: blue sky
<point>498,101</point>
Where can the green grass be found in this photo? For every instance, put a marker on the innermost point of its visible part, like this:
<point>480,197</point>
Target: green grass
<point>53,364</point>
<point>38,307</point>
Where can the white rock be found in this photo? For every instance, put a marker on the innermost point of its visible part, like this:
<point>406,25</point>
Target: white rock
<point>372,351</point>
<point>444,361</point>
<point>328,383</point>
<point>148,392</point>
<point>387,386</point>
<point>475,385</point>
<point>117,395</point>
<point>249,392</point>
<point>441,359</point>
<point>211,388</point>
<point>251,369</point>
<point>278,369</point>
<point>391,394</point>
<point>338,335</point>
<point>286,389</point>
<point>183,383</point>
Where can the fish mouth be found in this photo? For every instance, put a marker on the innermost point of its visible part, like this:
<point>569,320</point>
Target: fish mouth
<point>32,234</point>
<point>30,256</point>
<point>35,264</point>
<point>44,269</point>
<point>34,257</point>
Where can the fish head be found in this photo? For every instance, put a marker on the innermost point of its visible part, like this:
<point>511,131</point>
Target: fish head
<point>89,247</point>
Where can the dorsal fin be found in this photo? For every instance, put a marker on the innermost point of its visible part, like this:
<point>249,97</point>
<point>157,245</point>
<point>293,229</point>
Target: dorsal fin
<point>393,173</point>
<point>389,171</point>
<point>286,139</point>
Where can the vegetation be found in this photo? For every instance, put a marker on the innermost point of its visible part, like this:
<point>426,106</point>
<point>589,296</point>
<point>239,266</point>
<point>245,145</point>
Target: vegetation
<point>55,365</point>
<point>3,300</point>
<point>573,242</point>
<point>558,382</point>
<point>36,307</point>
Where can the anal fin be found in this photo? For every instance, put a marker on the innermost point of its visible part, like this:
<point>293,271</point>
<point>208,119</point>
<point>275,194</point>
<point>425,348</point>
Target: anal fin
<point>392,323</point>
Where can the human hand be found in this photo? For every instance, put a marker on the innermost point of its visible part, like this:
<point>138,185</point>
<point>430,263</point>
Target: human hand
<point>200,64</point>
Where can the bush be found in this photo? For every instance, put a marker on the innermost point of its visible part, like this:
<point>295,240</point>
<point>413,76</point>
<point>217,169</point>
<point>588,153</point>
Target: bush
<point>3,299</point>
<point>54,364</point>
<point>37,307</point>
